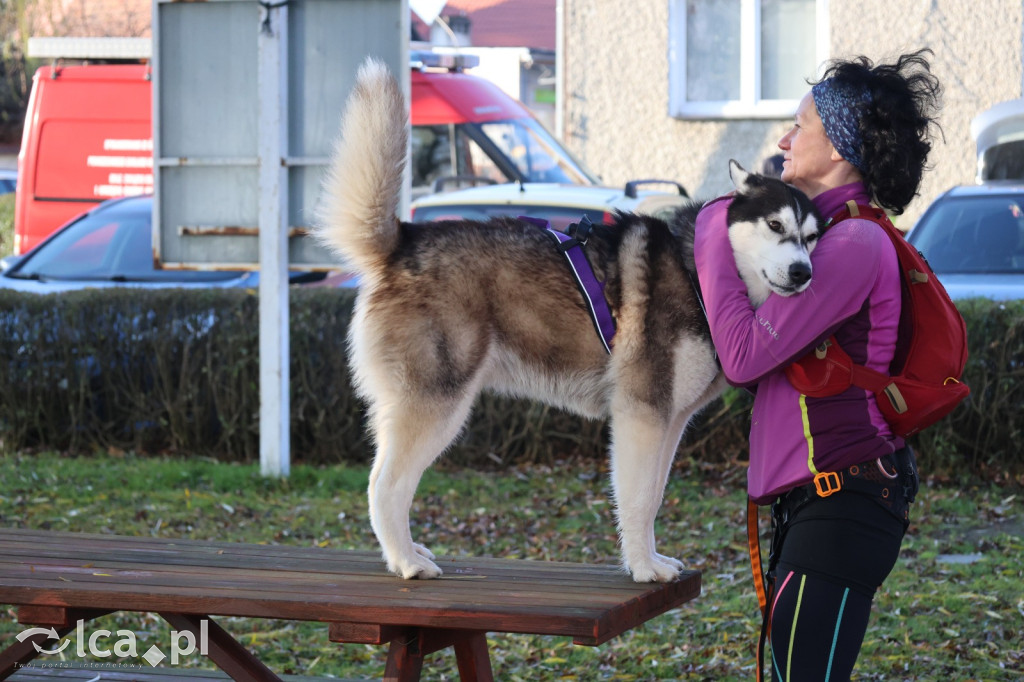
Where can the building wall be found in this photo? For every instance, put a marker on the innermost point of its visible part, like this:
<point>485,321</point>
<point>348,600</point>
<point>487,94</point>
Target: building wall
<point>616,87</point>
<point>130,18</point>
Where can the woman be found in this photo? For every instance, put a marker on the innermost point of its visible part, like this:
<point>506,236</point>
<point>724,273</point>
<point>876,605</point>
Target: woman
<point>862,133</point>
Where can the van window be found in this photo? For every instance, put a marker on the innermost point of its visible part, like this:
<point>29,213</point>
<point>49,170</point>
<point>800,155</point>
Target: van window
<point>533,151</point>
<point>1004,161</point>
<point>440,151</point>
<point>502,151</point>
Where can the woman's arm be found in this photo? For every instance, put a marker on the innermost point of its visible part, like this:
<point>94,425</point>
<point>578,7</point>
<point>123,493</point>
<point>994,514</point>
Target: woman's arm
<point>754,342</point>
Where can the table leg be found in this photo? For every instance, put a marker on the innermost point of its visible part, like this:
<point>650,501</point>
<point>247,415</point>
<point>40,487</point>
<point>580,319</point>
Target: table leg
<point>61,621</point>
<point>406,654</point>
<point>473,658</point>
<point>20,653</point>
<point>223,649</point>
<point>405,659</point>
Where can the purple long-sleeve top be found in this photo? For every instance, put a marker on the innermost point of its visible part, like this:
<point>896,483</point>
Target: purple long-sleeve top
<point>855,295</point>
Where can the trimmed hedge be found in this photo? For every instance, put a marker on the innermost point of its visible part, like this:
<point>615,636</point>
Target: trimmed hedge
<point>177,371</point>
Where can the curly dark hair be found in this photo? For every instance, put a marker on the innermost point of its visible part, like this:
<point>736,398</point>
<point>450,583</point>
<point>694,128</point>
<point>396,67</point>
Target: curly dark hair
<point>896,125</point>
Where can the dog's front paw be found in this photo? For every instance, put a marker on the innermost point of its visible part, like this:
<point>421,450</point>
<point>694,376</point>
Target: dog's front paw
<point>417,566</point>
<point>656,569</point>
<point>422,551</point>
<point>672,561</point>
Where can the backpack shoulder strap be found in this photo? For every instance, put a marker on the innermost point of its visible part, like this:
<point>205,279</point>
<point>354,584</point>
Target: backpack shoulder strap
<point>866,212</point>
<point>862,376</point>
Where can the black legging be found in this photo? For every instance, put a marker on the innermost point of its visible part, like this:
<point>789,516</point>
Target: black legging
<point>836,553</point>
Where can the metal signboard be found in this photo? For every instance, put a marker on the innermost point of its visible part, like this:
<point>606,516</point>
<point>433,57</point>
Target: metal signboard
<point>246,107</point>
<point>240,85</point>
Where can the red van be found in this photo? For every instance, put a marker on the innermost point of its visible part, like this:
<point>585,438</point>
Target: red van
<point>88,137</point>
<point>467,130</point>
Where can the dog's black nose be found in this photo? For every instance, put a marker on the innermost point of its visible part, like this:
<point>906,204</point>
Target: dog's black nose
<point>799,273</point>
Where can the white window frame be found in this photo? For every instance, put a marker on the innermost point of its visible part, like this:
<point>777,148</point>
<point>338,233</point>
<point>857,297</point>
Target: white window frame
<point>749,105</point>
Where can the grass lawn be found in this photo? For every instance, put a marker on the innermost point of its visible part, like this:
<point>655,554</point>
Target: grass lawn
<point>953,608</point>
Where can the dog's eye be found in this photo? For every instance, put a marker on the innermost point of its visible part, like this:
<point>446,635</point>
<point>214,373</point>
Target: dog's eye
<point>812,238</point>
<point>775,226</point>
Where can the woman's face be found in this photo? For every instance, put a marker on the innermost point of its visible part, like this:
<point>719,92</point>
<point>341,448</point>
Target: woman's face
<point>809,157</point>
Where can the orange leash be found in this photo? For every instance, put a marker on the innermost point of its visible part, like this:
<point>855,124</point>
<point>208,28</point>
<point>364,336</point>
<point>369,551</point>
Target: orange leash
<point>754,545</point>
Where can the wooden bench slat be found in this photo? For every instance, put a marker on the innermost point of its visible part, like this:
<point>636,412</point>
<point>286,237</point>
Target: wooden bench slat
<point>319,566</point>
<point>186,564</point>
<point>306,583</point>
<point>139,548</point>
<point>589,603</point>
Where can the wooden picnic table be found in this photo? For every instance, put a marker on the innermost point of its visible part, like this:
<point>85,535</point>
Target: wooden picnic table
<point>56,579</point>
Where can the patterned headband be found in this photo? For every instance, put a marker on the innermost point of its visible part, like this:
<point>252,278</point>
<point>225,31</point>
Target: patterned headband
<point>840,106</point>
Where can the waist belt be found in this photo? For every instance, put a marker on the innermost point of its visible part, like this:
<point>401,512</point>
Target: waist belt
<point>889,487</point>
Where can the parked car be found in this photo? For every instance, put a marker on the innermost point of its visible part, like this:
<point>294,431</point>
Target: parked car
<point>973,238</point>
<point>561,204</point>
<point>8,180</point>
<point>112,246</point>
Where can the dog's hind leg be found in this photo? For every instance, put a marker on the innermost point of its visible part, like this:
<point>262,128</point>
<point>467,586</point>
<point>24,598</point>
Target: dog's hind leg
<point>410,436</point>
<point>643,446</point>
<point>645,436</point>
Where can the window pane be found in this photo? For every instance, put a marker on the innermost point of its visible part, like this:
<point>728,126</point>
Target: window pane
<point>531,149</point>
<point>712,50</point>
<point>1004,161</point>
<point>787,47</point>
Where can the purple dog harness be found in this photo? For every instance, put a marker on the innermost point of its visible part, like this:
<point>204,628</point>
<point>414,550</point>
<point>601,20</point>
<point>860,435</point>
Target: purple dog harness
<point>571,246</point>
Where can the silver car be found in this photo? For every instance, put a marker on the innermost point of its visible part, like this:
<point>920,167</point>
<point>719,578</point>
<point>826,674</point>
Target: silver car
<point>973,237</point>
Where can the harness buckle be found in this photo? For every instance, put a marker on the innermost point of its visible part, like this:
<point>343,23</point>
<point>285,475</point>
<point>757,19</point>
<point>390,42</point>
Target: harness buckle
<point>827,483</point>
<point>581,231</point>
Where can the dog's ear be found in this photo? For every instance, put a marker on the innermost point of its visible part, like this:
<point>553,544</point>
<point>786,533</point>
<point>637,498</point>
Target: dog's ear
<point>738,175</point>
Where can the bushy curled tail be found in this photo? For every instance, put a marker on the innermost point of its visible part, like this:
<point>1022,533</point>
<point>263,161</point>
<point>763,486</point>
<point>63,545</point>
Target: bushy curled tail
<point>361,192</point>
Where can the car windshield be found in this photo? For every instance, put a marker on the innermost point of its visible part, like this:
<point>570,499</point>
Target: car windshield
<point>498,151</point>
<point>973,235</point>
<point>533,151</point>
<point>106,245</point>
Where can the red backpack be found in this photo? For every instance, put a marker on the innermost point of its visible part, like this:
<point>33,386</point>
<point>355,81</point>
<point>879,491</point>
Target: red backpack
<point>931,347</point>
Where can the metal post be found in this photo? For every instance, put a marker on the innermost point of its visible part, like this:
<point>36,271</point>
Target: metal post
<point>273,242</point>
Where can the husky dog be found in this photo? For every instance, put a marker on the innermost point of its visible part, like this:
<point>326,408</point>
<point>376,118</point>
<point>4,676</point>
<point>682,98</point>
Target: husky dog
<point>449,309</point>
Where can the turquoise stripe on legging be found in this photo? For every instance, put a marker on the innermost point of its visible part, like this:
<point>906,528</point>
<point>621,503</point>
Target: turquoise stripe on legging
<point>835,635</point>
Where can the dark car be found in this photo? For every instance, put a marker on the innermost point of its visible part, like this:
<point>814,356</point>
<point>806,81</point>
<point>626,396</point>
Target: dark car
<point>973,238</point>
<point>112,246</point>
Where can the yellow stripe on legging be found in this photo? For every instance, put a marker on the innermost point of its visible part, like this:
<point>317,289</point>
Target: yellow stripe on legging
<point>807,434</point>
<point>792,630</point>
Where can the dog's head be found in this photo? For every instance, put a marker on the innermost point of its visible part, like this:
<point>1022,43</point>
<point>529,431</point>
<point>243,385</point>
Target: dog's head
<point>773,228</point>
